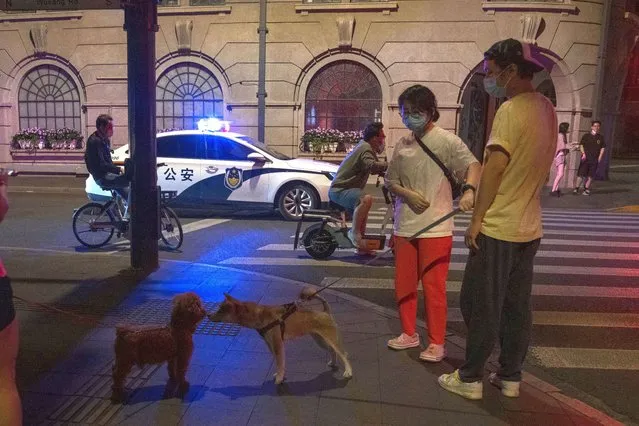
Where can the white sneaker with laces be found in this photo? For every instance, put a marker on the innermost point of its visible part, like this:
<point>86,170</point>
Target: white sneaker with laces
<point>452,383</point>
<point>404,341</point>
<point>508,388</point>
<point>433,353</point>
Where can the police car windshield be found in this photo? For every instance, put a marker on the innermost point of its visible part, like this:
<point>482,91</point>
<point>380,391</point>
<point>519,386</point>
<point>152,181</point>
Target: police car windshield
<point>265,148</point>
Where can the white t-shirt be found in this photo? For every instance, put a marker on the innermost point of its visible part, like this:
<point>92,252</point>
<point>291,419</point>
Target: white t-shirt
<point>412,168</point>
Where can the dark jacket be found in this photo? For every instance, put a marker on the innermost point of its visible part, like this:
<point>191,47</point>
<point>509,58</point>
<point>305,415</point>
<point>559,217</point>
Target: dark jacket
<point>97,157</point>
<point>357,167</point>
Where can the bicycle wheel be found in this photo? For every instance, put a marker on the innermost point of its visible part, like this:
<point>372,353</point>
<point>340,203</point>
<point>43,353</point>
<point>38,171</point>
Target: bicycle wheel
<point>170,228</point>
<point>92,225</point>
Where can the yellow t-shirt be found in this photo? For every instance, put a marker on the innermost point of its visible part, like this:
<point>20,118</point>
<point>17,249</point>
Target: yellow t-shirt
<point>526,127</point>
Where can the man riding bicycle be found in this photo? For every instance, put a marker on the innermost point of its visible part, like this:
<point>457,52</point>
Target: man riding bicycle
<point>347,189</point>
<point>98,158</point>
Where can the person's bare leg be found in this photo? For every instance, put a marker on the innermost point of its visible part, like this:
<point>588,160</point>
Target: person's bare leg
<point>360,217</point>
<point>588,183</point>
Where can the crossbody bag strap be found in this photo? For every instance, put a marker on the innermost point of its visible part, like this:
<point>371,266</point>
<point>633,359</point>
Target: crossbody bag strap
<point>441,165</point>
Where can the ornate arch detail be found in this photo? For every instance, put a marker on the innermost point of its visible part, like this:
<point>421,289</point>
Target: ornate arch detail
<point>334,55</point>
<point>174,58</point>
<point>187,92</point>
<point>30,63</point>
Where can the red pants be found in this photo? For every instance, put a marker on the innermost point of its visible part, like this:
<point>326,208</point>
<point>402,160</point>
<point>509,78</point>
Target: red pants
<point>426,259</point>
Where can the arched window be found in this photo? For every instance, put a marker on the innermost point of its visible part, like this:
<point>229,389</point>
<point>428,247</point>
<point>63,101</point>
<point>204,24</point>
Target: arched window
<point>185,94</point>
<point>343,95</point>
<point>49,99</point>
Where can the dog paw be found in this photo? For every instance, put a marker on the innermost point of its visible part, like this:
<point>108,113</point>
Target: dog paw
<point>183,389</point>
<point>279,379</point>
<point>118,396</point>
<point>347,374</point>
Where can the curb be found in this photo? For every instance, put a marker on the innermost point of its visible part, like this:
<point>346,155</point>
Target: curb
<point>45,190</point>
<point>539,384</point>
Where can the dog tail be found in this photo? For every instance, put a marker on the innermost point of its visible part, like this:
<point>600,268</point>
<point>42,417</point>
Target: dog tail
<point>308,294</point>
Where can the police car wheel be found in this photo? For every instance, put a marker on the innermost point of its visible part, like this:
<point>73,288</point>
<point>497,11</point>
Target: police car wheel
<point>294,199</point>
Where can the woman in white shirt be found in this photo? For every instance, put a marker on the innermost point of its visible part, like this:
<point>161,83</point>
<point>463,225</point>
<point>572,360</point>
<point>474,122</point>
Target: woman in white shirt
<point>423,196</point>
<point>560,157</point>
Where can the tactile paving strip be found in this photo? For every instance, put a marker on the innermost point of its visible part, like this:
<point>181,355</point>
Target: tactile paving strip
<point>151,311</point>
<point>91,404</point>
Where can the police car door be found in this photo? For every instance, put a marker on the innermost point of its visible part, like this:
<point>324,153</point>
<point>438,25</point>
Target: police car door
<point>235,182</point>
<point>178,179</point>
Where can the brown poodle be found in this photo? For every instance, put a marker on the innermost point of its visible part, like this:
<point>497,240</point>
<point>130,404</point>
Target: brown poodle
<point>140,345</point>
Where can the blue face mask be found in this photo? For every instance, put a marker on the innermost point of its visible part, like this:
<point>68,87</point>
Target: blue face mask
<point>493,89</point>
<point>415,122</point>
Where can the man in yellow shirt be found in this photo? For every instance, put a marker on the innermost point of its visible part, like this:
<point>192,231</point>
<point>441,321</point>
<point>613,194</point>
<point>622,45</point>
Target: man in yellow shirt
<point>505,229</point>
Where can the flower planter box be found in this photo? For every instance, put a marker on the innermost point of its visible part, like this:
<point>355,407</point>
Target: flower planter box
<point>332,157</point>
<point>48,155</point>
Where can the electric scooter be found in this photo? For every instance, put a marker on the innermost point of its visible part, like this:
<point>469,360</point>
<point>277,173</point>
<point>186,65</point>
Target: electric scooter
<point>321,239</point>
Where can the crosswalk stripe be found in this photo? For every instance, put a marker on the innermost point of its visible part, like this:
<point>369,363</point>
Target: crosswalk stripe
<point>202,224</point>
<point>571,319</point>
<point>563,232</point>
<point>572,224</point>
<point>600,359</point>
<point>541,253</point>
<point>454,266</point>
<point>455,287</point>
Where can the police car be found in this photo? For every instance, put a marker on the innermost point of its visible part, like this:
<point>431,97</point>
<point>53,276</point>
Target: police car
<point>214,169</point>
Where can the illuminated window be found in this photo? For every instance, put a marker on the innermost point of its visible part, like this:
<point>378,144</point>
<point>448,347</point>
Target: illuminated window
<point>49,99</point>
<point>343,95</point>
<point>185,94</point>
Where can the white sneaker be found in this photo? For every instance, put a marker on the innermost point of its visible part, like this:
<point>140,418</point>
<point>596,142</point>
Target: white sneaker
<point>433,353</point>
<point>508,388</point>
<point>452,383</point>
<point>351,236</point>
<point>404,341</point>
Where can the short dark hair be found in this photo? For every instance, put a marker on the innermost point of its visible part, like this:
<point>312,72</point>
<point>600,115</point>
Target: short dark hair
<point>593,122</point>
<point>511,51</point>
<point>103,120</point>
<point>563,127</point>
<point>420,97</point>
<point>372,130</point>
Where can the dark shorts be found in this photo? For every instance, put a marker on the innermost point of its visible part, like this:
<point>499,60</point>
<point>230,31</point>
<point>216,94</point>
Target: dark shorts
<point>348,198</point>
<point>7,310</point>
<point>587,168</point>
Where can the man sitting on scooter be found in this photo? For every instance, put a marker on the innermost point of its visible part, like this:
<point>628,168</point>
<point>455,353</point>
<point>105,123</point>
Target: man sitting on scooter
<point>347,189</point>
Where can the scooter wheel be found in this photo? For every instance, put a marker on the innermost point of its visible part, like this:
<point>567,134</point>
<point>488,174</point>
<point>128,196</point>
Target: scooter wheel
<point>319,244</point>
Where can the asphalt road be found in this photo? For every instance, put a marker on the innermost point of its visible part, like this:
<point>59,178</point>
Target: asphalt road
<point>586,294</point>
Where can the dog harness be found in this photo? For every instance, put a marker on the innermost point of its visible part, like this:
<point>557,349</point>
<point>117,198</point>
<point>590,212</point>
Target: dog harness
<point>290,308</point>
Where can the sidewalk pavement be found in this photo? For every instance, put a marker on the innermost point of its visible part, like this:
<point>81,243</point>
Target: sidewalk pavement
<point>231,370</point>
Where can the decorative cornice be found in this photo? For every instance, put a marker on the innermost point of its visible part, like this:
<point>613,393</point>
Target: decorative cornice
<point>383,6</point>
<point>194,10</point>
<point>40,16</point>
<point>563,7</point>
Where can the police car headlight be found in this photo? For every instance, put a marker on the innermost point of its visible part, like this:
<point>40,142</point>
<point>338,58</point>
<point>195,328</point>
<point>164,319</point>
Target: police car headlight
<point>330,175</point>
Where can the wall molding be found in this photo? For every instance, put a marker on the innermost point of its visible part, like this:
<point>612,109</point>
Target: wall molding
<point>194,10</point>
<point>40,16</point>
<point>383,6</point>
<point>563,7</point>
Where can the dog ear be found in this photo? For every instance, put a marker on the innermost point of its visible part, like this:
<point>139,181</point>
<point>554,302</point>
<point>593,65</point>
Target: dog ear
<point>230,298</point>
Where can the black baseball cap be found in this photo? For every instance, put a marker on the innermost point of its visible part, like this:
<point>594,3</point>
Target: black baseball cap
<point>514,52</point>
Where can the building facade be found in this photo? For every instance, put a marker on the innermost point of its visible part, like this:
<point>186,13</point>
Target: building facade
<point>329,64</point>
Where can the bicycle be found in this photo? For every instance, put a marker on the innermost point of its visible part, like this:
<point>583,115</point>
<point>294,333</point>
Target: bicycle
<point>103,220</point>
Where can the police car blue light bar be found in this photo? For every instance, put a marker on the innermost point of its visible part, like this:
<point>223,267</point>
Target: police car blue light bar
<point>214,125</point>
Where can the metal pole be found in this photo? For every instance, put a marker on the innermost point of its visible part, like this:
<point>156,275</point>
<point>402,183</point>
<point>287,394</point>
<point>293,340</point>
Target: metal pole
<point>602,172</point>
<point>140,23</point>
<point>261,74</point>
